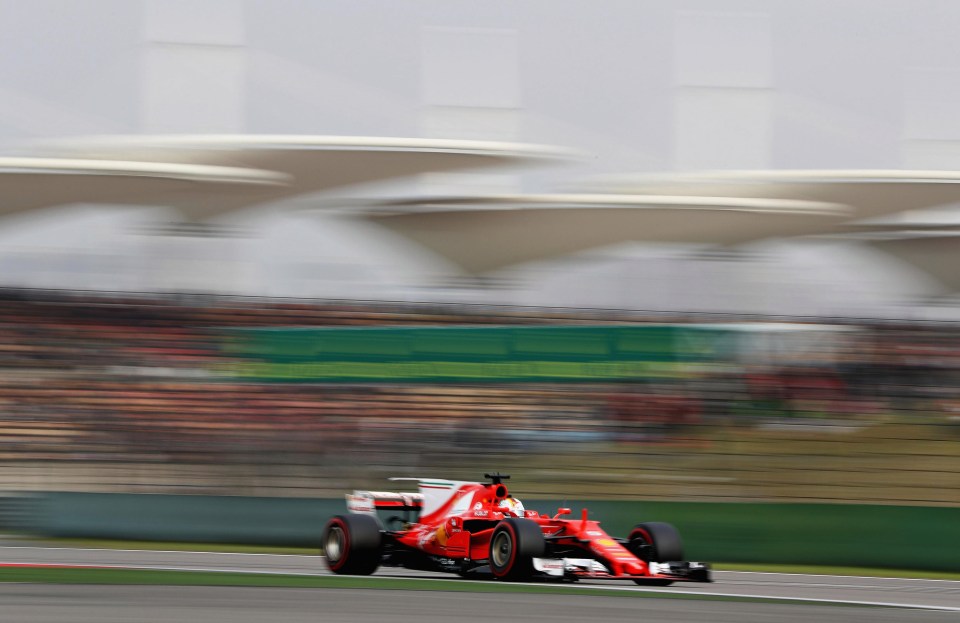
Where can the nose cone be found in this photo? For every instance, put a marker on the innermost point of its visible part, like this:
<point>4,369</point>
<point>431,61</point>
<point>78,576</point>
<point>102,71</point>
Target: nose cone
<point>635,567</point>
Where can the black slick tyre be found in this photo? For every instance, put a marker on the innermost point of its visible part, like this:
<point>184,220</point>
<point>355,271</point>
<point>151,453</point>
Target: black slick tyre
<point>655,542</point>
<point>513,546</point>
<point>352,544</point>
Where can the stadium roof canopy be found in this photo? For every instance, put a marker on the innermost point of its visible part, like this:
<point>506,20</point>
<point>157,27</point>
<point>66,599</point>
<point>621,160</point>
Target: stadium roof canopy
<point>33,183</point>
<point>868,193</point>
<point>936,253</point>
<point>932,246</point>
<point>482,234</point>
<point>725,208</point>
<point>310,164</point>
<point>874,196</point>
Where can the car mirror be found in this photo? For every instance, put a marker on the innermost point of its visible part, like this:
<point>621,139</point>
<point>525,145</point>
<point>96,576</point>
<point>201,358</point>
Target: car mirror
<point>561,512</point>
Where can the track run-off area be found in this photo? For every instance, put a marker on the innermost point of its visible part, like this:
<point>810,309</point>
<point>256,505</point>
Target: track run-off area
<point>732,591</point>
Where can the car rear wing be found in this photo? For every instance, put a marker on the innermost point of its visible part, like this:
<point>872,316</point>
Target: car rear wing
<point>369,502</point>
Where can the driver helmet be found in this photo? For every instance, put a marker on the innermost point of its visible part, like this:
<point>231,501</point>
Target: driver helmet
<point>512,505</point>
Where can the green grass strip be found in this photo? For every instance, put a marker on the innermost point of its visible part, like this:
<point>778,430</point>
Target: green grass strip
<point>61,575</point>
<point>310,551</point>
<point>854,571</point>
<point>170,547</point>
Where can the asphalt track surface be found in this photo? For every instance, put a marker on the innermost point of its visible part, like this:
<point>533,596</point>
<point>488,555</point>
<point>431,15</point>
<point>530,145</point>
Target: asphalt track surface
<point>831,598</point>
<point>34,603</point>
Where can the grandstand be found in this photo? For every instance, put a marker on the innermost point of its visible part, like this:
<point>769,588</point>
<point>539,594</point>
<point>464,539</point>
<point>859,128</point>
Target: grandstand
<point>107,392</point>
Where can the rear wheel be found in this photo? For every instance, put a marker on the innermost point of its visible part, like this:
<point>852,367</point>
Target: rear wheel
<point>513,546</point>
<point>655,542</point>
<point>352,544</point>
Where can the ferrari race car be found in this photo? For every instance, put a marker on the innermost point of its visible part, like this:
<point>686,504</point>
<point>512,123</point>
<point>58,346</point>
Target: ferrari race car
<point>474,528</point>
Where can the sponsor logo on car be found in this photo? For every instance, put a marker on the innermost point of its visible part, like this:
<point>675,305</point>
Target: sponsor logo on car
<point>360,504</point>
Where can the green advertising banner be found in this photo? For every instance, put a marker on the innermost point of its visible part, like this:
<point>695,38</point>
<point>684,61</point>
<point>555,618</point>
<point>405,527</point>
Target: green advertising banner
<point>470,354</point>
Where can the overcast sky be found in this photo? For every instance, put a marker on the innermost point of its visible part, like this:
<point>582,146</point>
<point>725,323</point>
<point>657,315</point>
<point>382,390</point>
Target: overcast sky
<point>639,85</point>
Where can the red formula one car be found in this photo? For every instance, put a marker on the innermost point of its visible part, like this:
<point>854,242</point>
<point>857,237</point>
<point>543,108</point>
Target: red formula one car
<point>479,528</point>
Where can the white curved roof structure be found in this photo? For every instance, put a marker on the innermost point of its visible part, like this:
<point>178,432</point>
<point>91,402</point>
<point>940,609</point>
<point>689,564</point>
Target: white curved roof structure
<point>936,253</point>
<point>311,163</point>
<point>482,234</point>
<point>869,193</point>
<point>33,183</point>
<point>929,243</point>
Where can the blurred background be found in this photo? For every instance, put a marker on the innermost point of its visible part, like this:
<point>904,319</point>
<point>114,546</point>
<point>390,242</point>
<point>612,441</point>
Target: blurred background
<point>792,336</point>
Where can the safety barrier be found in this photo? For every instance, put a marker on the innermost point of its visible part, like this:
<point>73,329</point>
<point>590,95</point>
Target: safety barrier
<point>905,537</point>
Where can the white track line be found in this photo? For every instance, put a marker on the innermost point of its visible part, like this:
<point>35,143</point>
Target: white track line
<point>796,599</point>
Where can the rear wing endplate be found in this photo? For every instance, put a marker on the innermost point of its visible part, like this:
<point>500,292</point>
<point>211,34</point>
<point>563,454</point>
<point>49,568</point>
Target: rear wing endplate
<point>369,502</point>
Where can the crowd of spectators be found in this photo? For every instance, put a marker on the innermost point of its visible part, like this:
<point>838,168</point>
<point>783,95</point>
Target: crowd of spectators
<point>88,377</point>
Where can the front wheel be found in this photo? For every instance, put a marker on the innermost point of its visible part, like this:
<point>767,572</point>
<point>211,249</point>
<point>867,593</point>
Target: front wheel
<point>513,546</point>
<point>352,544</point>
<point>655,542</point>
